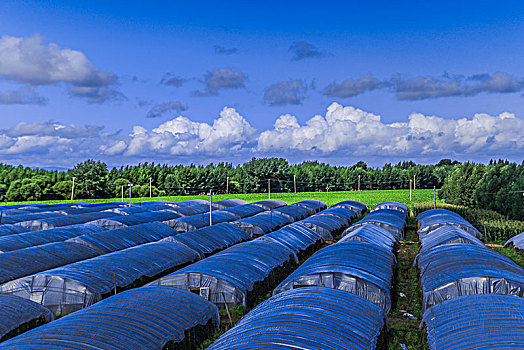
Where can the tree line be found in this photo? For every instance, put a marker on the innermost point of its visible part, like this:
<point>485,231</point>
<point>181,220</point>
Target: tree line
<point>463,184</point>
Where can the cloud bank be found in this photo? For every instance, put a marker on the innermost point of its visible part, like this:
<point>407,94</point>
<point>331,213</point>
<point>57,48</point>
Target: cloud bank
<point>343,132</point>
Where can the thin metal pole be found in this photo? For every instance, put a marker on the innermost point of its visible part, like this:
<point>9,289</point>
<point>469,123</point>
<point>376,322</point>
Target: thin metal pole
<point>434,197</point>
<point>130,185</point>
<point>410,190</point>
<point>210,208</point>
<point>227,185</point>
<point>414,181</point>
<point>295,183</point>
<point>122,193</point>
<point>269,188</point>
<point>73,188</point>
<point>359,182</point>
<point>327,195</point>
<point>150,192</point>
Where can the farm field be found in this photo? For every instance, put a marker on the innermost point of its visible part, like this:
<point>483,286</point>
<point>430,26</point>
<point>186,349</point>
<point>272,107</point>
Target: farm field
<point>370,198</point>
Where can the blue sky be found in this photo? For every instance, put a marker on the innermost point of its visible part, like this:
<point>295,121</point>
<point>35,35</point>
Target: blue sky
<point>131,81</point>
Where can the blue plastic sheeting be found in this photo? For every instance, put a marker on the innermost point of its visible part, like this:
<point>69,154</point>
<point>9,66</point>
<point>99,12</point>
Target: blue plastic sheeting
<point>189,203</point>
<point>314,204</point>
<point>456,269</point>
<point>193,210</point>
<point>295,237</point>
<point>517,241</point>
<point>270,204</point>
<point>372,234</point>
<point>390,212</point>
<point>130,210</point>
<point>325,225</point>
<point>75,286</point>
<point>228,203</point>
<point>17,311</point>
<point>392,205</point>
<point>39,207</point>
<point>388,222</point>
<point>353,266</point>
<point>139,319</point>
<point>230,274</point>
<point>243,211</point>
<point>155,206</point>
<point>210,239</point>
<point>476,322</point>
<point>31,239</point>
<point>307,318</point>
<point>344,213</point>
<point>65,220</point>
<point>113,240</point>
<point>8,229</point>
<point>262,223</point>
<point>194,222</point>
<point>355,206</point>
<point>447,234</point>
<point>434,218</point>
<point>294,212</point>
<point>14,219</point>
<point>90,209</point>
<point>25,262</point>
<point>121,221</point>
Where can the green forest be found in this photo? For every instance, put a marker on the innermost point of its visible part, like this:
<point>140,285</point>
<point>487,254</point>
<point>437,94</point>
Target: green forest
<point>497,186</point>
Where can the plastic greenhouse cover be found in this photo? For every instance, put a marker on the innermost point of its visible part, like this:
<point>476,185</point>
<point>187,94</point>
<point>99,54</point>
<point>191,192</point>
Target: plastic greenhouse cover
<point>25,262</point>
<point>121,221</point>
<point>372,234</point>
<point>91,209</point>
<point>65,220</point>
<point>13,219</point>
<point>243,211</point>
<point>8,229</point>
<point>129,210</point>
<point>432,222</point>
<point>230,274</point>
<point>445,235</point>
<point>390,212</point>
<point>190,203</point>
<point>142,318</point>
<point>392,205</point>
<point>17,311</point>
<point>228,203</point>
<point>356,206</point>
<point>294,212</point>
<point>517,241</point>
<point>154,206</point>
<point>35,238</point>
<point>325,225</point>
<point>194,222</point>
<point>193,210</point>
<point>78,285</point>
<point>486,321</point>
<point>353,266</point>
<point>270,204</point>
<point>344,213</point>
<point>295,237</point>
<point>436,212</point>
<point>453,270</point>
<point>307,318</point>
<point>313,204</point>
<point>262,223</point>
<point>113,240</point>
<point>388,223</point>
<point>209,239</point>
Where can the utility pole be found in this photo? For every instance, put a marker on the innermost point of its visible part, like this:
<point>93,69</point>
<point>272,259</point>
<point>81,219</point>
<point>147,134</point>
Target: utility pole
<point>122,193</point>
<point>130,185</point>
<point>410,190</point>
<point>359,182</point>
<point>295,183</point>
<point>227,185</point>
<point>210,208</point>
<point>414,181</point>
<point>434,197</point>
<point>269,188</point>
<point>73,188</point>
<point>150,192</point>
<point>327,195</point>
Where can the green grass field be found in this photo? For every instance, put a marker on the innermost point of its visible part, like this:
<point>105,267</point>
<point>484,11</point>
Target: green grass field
<point>370,198</point>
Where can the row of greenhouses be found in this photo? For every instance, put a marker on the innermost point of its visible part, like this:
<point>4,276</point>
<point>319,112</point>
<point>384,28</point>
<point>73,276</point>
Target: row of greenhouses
<point>275,254</point>
<point>472,295</point>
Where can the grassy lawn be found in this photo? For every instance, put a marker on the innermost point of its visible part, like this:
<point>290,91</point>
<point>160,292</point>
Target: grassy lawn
<point>370,198</point>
